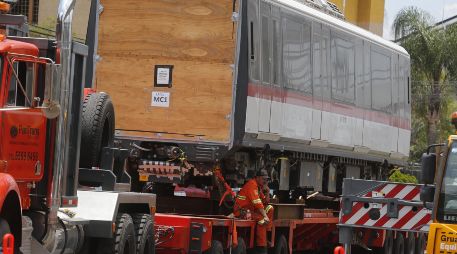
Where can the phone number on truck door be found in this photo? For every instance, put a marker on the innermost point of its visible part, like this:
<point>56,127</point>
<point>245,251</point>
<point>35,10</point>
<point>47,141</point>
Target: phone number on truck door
<point>24,156</point>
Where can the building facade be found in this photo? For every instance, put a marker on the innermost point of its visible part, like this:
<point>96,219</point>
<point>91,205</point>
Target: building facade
<point>368,14</point>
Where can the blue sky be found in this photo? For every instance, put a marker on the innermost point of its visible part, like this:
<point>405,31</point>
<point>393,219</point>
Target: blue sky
<point>439,9</point>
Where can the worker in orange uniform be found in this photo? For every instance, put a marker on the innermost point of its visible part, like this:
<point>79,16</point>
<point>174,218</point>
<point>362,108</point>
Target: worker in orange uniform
<point>266,203</point>
<point>250,198</point>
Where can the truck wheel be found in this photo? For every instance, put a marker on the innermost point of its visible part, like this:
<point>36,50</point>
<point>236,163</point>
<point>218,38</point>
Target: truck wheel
<point>420,243</point>
<point>410,246</point>
<point>5,229</point>
<point>216,248</point>
<point>388,247</point>
<point>144,229</point>
<point>281,245</point>
<point>124,238</point>
<point>241,247</point>
<point>399,244</point>
<point>97,128</point>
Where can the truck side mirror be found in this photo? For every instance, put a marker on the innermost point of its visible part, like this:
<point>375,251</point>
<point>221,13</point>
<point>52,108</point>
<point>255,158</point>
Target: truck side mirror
<point>51,107</point>
<point>427,193</point>
<point>428,168</point>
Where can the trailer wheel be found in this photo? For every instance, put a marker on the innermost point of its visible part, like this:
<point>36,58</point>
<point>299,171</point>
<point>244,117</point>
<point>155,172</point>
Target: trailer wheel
<point>420,244</point>
<point>241,247</point>
<point>281,245</point>
<point>399,244</point>
<point>97,128</point>
<point>216,248</point>
<point>124,238</point>
<point>410,246</point>
<point>144,229</point>
<point>388,247</point>
<point>4,228</point>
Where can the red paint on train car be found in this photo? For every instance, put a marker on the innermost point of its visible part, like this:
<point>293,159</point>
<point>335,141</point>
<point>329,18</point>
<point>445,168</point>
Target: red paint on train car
<point>295,98</point>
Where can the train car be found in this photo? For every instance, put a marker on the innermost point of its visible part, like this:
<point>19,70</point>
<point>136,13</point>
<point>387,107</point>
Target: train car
<point>312,82</point>
<point>284,84</point>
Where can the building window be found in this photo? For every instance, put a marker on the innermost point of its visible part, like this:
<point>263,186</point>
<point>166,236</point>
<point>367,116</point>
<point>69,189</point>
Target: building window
<point>27,8</point>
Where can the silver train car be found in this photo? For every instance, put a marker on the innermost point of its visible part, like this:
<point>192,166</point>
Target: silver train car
<point>310,82</point>
<point>252,84</point>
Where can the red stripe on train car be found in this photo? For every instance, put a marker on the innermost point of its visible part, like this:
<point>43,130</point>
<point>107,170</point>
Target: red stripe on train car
<point>295,98</point>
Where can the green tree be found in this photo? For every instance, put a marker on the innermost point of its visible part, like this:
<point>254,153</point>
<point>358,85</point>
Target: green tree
<point>399,177</point>
<point>434,64</point>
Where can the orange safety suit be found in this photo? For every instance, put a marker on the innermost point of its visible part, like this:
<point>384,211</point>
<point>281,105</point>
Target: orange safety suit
<point>269,210</point>
<point>250,198</point>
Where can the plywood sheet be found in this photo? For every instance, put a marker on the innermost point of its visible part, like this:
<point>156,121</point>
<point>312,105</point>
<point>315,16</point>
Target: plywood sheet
<point>196,37</point>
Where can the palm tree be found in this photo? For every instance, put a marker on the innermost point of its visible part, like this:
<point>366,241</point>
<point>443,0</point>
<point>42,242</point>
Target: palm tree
<point>433,64</point>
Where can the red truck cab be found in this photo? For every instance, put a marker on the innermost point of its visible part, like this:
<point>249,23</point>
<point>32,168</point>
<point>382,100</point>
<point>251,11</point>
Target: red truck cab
<point>23,131</point>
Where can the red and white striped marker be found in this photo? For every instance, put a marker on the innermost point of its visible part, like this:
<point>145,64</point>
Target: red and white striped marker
<point>409,218</point>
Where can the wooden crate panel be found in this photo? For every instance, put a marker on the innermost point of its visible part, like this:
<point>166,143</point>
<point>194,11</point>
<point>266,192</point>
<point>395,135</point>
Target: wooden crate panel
<point>196,37</point>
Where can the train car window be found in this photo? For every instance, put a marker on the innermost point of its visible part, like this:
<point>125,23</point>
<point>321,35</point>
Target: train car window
<point>404,78</point>
<point>317,75</point>
<point>381,78</point>
<point>297,55</point>
<point>343,69</point>
<point>254,63</point>
<point>25,72</point>
<point>276,46</point>
<point>254,40</point>
<point>326,63</point>
<point>395,108</point>
<point>401,86</point>
<point>359,79</point>
<point>265,50</point>
<point>409,96</point>
<point>367,75</point>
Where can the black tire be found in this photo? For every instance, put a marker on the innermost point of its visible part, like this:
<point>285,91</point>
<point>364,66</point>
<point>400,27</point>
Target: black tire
<point>410,244</point>
<point>144,232</point>
<point>97,128</point>
<point>5,229</point>
<point>421,242</point>
<point>240,248</point>
<point>124,238</point>
<point>281,245</point>
<point>399,244</point>
<point>388,247</point>
<point>216,248</point>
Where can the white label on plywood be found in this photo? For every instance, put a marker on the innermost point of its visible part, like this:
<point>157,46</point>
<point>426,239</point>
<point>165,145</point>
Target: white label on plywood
<point>163,76</point>
<point>160,99</point>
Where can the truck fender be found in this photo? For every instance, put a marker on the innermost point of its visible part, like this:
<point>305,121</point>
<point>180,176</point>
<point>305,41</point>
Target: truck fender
<point>88,91</point>
<point>10,205</point>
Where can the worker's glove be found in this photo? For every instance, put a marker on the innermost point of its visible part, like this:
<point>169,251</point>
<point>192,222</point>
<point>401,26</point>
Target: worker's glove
<point>263,221</point>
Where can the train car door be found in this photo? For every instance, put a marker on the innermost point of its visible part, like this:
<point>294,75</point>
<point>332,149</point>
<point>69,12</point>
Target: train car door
<point>321,80</point>
<point>266,90</point>
<point>277,98</point>
<point>270,96</point>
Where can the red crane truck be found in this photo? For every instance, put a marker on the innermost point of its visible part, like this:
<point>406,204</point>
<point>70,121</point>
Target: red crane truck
<point>47,202</point>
